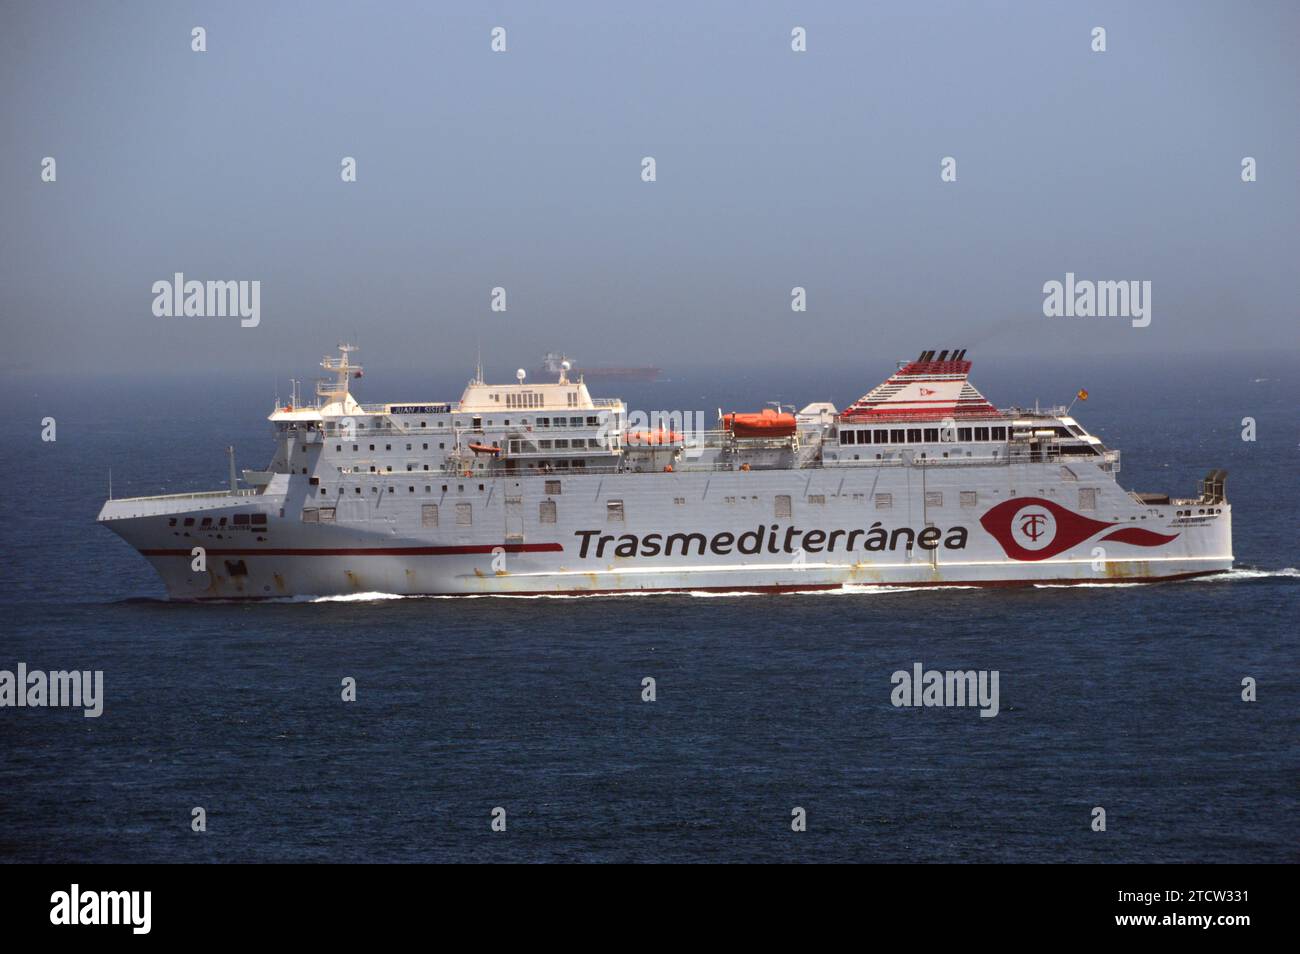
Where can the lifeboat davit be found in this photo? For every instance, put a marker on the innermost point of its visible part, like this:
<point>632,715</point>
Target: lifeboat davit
<point>484,449</point>
<point>652,438</point>
<point>766,423</point>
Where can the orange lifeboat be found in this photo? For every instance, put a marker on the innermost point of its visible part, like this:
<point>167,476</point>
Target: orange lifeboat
<point>767,423</point>
<point>653,438</point>
<point>484,449</point>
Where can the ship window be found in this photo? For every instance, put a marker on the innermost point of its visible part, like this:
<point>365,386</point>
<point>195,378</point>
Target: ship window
<point>1087,498</point>
<point>326,514</point>
<point>679,500</point>
<point>543,422</point>
<point>354,448</point>
<point>240,519</point>
<point>429,515</point>
<point>389,469</point>
<point>426,446</point>
<point>410,490</point>
<point>898,436</point>
<point>999,433</point>
<point>561,445</point>
<point>575,422</point>
<point>881,437</point>
<point>614,511</point>
<point>544,443</point>
<point>390,447</point>
<point>884,501</point>
<point>553,487</point>
<point>477,423</point>
<point>310,515</point>
<point>964,434</point>
<point>782,506</point>
<point>357,490</point>
<point>913,435</point>
<point>408,446</point>
<point>480,487</point>
<point>171,522</point>
<point>981,433</point>
<point>846,437</point>
<point>934,498</point>
<point>323,492</point>
<point>591,422</point>
<point>546,511</point>
<point>372,446</point>
<point>931,435</point>
<point>338,448</point>
<point>205,522</point>
<point>969,498</point>
<point>464,514</point>
<point>816,498</point>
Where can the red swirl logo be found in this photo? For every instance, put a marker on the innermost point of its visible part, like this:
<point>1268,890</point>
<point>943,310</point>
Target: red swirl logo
<point>1030,528</point>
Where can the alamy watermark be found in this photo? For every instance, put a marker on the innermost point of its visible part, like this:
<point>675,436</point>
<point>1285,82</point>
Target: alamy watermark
<point>179,298</point>
<point>76,907</point>
<point>1085,298</point>
<point>78,689</point>
<point>948,688</point>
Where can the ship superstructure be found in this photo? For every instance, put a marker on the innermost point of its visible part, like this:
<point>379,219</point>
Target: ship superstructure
<point>539,488</point>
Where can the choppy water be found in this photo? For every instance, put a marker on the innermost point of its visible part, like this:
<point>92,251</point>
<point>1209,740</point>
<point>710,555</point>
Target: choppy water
<point>1126,697</point>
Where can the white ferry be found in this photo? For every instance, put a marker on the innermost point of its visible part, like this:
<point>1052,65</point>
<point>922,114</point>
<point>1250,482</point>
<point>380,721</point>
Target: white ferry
<point>539,488</point>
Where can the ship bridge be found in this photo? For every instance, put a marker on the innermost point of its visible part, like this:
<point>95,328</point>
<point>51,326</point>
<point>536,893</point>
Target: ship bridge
<point>929,408</point>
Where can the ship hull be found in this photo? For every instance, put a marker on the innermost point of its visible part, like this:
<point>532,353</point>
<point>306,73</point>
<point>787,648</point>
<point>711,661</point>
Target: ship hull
<point>713,531</point>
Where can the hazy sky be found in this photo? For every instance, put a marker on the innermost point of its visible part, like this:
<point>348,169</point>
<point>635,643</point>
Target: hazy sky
<point>523,169</point>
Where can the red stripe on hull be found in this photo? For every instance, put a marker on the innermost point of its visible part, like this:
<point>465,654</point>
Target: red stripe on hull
<point>374,551</point>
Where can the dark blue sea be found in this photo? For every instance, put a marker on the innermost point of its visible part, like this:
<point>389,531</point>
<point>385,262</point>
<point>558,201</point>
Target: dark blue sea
<point>1127,698</point>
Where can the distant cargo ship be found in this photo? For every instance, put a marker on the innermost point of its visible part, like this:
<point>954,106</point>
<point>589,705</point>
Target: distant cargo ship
<point>554,363</point>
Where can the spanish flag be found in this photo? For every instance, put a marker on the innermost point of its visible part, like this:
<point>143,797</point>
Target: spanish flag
<point>1082,395</point>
